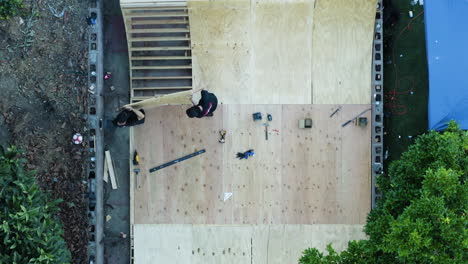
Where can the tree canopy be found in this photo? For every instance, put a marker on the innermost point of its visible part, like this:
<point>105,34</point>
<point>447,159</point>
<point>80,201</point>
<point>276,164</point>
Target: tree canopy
<point>29,230</point>
<point>421,217</point>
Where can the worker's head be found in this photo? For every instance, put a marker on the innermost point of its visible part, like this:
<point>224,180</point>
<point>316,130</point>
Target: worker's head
<point>194,111</point>
<point>121,118</point>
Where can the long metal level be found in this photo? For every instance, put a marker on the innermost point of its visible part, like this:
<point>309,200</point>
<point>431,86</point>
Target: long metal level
<point>177,160</point>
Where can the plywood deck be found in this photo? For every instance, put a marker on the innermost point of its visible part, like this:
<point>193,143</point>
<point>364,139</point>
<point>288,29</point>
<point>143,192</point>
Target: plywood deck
<point>260,244</point>
<point>298,176</point>
<point>283,51</point>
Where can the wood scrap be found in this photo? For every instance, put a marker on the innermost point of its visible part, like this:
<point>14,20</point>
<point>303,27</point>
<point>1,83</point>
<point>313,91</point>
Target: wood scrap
<point>106,171</point>
<point>110,166</point>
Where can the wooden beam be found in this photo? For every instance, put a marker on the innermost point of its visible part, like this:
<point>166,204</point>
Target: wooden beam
<point>161,67</point>
<point>180,98</point>
<point>110,165</point>
<point>143,39</point>
<point>159,22</point>
<point>161,58</point>
<point>160,78</point>
<point>106,171</point>
<point>159,30</point>
<point>162,88</point>
<point>159,14</point>
<point>155,8</point>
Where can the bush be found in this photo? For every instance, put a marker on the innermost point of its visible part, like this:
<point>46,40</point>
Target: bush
<point>9,8</point>
<point>29,230</point>
<point>421,217</point>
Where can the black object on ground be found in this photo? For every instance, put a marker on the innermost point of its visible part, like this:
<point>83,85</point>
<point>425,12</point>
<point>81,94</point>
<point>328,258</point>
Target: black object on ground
<point>177,160</point>
<point>257,116</point>
<point>351,120</point>
<point>246,154</point>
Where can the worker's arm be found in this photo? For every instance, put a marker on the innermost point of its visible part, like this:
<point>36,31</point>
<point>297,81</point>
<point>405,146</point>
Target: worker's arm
<point>139,114</point>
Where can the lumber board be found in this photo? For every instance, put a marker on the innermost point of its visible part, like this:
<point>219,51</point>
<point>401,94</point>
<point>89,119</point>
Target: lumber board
<point>161,78</point>
<point>158,48</point>
<point>158,22</point>
<point>161,58</point>
<point>173,98</point>
<point>163,88</point>
<point>159,30</point>
<point>143,39</point>
<point>110,166</point>
<point>154,8</point>
<point>161,67</point>
<point>106,171</point>
<point>157,14</point>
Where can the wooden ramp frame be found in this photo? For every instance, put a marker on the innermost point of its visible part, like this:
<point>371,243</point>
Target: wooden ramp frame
<point>159,47</point>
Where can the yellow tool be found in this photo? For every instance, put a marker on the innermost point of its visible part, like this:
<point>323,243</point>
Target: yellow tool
<point>222,133</point>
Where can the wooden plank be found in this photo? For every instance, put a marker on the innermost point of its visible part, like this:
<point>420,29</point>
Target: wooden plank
<point>125,4</point>
<point>156,8</point>
<point>158,22</point>
<point>168,99</point>
<point>106,171</point>
<point>142,39</point>
<point>162,88</point>
<point>161,78</point>
<point>258,49</point>
<point>110,166</point>
<point>159,30</point>
<point>161,14</point>
<point>161,67</point>
<point>337,22</point>
<point>161,58</point>
<point>158,48</point>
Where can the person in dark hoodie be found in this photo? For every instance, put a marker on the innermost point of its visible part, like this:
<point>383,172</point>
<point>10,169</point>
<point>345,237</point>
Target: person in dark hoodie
<point>205,107</point>
<point>129,117</point>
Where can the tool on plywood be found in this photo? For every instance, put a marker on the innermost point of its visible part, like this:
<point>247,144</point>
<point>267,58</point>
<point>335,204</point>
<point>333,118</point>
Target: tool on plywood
<point>136,158</point>
<point>336,111</point>
<point>361,122</point>
<point>222,133</point>
<point>266,130</point>
<point>257,116</point>
<point>177,160</point>
<point>351,120</point>
<point>305,123</point>
<point>245,155</point>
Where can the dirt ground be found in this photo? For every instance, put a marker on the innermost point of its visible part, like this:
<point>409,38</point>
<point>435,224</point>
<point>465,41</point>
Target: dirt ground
<point>43,81</point>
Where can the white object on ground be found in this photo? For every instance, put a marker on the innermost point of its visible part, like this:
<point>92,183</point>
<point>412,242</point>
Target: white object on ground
<point>77,139</point>
<point>227,195</point>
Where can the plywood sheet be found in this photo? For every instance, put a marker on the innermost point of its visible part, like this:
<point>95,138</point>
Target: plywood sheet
<point>297,176</point>
<point>342,51</point>
<point>283,51</point>
<point>236,243</point>
<point>252,51</point>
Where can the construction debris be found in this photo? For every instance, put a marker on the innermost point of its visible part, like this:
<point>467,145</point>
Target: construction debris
<point>110,166</point>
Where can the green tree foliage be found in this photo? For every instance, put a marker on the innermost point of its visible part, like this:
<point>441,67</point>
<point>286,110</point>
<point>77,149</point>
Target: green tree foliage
<point>29,231</point>
<point>421,217</point>
<point>9,8</point>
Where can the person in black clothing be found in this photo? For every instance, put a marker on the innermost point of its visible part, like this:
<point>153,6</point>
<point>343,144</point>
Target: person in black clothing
<point>129,117</point>
<point>205,107</point>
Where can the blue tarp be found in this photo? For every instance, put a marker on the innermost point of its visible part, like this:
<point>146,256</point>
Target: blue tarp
<point>447,56</point>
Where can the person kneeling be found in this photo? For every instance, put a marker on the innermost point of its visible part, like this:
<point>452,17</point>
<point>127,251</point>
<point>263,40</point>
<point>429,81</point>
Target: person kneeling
<point>205,107</point>
<point>129,117</point>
